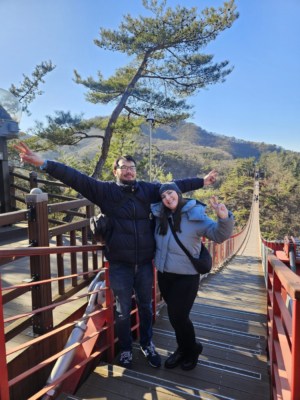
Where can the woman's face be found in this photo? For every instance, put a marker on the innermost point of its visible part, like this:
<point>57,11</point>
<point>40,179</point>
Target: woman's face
<point>170,199</point>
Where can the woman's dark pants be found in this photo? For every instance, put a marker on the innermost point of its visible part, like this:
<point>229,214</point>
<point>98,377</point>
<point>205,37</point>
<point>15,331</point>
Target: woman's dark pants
<point>179,293</point>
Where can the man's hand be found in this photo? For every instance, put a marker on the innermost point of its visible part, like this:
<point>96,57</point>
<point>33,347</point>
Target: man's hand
<point>219,208</point>
<point>28,156</point>
<point>210,178</point>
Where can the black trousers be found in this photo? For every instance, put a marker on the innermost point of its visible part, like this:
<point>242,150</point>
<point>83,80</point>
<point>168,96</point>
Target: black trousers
<point>179,293</point>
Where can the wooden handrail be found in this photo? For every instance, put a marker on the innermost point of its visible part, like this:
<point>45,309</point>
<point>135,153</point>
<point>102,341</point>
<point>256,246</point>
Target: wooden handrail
<point>37,251</point>
<point>66,205</point>
<point>13,217</point>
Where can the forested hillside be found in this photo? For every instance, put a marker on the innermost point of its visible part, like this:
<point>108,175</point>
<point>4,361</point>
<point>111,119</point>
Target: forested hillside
<point>280,195</point>
<point>187,150</point>
<point>194,135</point>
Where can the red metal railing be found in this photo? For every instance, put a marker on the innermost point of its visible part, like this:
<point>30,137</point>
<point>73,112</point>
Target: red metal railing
<point>13,379</point>
<point>283,312</point>
<point>4,389</point>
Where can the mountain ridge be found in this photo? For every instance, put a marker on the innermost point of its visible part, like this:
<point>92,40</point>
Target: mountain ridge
<point>237,148</point>
<point>186,140</point>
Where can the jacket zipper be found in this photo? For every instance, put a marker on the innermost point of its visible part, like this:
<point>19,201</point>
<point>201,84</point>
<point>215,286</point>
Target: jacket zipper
<point>135,234</point>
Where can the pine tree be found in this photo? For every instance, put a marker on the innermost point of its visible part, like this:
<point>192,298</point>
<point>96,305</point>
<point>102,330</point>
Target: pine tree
<point>166,63</point>
<point>27,91</point>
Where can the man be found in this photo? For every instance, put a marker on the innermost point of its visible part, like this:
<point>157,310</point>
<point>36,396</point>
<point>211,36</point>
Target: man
<point>130,246</point>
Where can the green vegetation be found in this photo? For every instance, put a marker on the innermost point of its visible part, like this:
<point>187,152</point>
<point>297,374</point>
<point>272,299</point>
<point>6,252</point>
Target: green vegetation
<point>280,195</point>
<point>177,153</point>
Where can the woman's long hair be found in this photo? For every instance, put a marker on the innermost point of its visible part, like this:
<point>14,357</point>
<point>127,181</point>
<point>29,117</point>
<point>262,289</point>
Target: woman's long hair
<point>166,213</point>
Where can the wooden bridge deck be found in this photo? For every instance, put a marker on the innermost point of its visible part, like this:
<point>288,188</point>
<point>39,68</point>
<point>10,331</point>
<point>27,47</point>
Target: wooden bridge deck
<point>230,320</point>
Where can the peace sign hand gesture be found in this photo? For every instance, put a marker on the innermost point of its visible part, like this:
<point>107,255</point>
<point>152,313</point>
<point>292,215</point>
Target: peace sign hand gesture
<point>28,156</point>
<point>219,208</point>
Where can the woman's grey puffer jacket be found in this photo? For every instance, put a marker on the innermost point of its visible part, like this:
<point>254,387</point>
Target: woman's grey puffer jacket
<point>169,257</point>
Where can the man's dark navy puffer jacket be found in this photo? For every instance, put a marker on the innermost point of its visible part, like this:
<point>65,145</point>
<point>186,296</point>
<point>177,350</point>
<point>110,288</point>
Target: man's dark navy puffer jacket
<point>132,239</point>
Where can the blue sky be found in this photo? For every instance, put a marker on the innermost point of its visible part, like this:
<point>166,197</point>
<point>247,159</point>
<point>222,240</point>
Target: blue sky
<point>260,100</point>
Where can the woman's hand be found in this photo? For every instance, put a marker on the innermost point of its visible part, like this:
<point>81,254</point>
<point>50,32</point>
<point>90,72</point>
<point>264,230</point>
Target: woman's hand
<point>219,208</point>
<point>28,156</point>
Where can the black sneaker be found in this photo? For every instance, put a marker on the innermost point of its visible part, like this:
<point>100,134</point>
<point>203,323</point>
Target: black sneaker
<point>190,361</point>
<point>125,359</point>
<point>152,356</point>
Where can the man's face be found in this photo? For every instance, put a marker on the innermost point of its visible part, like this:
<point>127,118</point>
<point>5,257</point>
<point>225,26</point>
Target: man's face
<point>125,172</point>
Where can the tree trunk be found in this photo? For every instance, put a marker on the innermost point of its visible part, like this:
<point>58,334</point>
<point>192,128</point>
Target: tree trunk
<point>115,115</point>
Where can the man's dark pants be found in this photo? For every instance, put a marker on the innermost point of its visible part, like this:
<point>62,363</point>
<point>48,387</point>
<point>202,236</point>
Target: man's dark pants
<point>124,280</point>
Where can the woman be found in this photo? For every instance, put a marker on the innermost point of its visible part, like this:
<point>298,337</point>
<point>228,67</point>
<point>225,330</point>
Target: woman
<point>177,278</point>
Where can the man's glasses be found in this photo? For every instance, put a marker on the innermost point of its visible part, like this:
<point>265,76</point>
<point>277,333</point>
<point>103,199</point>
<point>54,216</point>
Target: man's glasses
<point>125,168</point>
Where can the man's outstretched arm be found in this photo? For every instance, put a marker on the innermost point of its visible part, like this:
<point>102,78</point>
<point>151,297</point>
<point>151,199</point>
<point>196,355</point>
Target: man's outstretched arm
<point>189,184</point>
